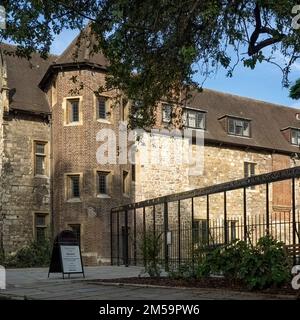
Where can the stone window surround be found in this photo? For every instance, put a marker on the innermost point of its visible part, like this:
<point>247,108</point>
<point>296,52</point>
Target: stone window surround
<point>127,186</point>
<point>109,184</point>
<point>47,152</point>
<point>95,100</point>
<point>65,105</point>
<point>166,112</point>
<point>125,109</point>
<point>66,186</point>
<point>34,214</point>
<point>252,189</point>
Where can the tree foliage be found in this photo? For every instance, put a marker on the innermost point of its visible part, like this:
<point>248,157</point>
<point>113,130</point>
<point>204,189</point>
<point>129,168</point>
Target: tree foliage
<point>156,46</point>
<point>295,90</point>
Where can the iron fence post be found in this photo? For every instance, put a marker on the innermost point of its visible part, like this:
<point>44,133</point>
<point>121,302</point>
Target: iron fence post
<point>294,216</point>
<point>111,238</point>
<point>154,221</point>
<point>126,240</point>
<point>134,237</point>
<point>166,229</point>
<point>207,218</point>
<point>193,250</point>
<point>144,233</point>
<point>245,215</point>
<point>179,234</point>
<point>225,219</point>
<point>118,238</point>
<point>267,209</point>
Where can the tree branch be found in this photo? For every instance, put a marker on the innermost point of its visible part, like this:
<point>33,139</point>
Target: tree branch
<point>254,46</point>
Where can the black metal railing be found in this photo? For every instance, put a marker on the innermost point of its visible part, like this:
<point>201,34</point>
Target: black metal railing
<point>186,221</point>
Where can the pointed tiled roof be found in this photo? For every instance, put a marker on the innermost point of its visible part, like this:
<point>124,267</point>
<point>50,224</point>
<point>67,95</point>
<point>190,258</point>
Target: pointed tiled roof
<point>81,50</point>
<point>79,54</point>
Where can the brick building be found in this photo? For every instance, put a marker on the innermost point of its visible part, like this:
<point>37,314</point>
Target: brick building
<point>50,177</point>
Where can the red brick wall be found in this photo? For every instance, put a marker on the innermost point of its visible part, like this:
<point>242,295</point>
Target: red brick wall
<point>74,151</point>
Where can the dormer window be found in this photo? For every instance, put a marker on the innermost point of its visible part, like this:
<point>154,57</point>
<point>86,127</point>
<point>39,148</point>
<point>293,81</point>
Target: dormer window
<point>292,135</point>
<point>166,113</point>
<point>295,137</point>
<point>194,119</point>
<point>238,127</point>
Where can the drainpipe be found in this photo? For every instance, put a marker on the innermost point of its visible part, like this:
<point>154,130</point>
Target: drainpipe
<point>51,179</point>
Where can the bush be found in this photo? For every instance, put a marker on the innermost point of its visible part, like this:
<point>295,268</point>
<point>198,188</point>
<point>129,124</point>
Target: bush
<point>223,260</point>
<point>259,267</point>
<point>266,265</point>
<point>151,247</point>
<point>184,271</point>
<point>36,254</point>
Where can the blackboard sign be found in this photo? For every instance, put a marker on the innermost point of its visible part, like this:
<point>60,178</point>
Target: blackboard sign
<point>66,255</point>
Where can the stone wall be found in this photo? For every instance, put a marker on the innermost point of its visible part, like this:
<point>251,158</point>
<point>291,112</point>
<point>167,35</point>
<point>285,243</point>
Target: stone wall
<point>1,148</point>
<point>221,164</point>
<point>24,194</point>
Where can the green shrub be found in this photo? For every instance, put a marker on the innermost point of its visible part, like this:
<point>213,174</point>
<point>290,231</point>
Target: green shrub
<point>183,271</point>
<point>36,254</point>
<point>151,248</point>
<point>260,266</point>
<point>266,265</point>
<point>224,260</point>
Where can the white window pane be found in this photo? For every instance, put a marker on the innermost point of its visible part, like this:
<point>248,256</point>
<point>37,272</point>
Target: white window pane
<point>200,120</point>
<point>167,110</point>
<point>238,130</point>
<point>246,129</point>
<point>294,137</point>
<point>231,126</point>
<point>192,119</point>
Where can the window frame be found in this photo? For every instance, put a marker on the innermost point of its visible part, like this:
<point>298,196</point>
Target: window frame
<point>125,183</point>
<point>242,125</point>
<point>200,231</point>
<point>107,111</point>
<point>38,154</point>
<point>168,119</point>
<point>297,131</point>
<point>68,187</point>
<point>107,180</point>
<point>249,172</point>
<point>196,112</point>
<point>37,226</point>
<point>66,104</point>
<point>70,111</point>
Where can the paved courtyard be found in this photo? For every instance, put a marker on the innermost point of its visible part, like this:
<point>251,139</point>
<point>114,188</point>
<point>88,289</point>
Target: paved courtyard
<point>34,284</point>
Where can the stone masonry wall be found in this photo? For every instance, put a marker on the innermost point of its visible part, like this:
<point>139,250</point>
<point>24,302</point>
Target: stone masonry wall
<point>221,164</point>
<point>24,195</point>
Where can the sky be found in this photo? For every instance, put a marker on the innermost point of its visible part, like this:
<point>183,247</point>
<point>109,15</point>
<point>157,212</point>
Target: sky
<point>262,83</point>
